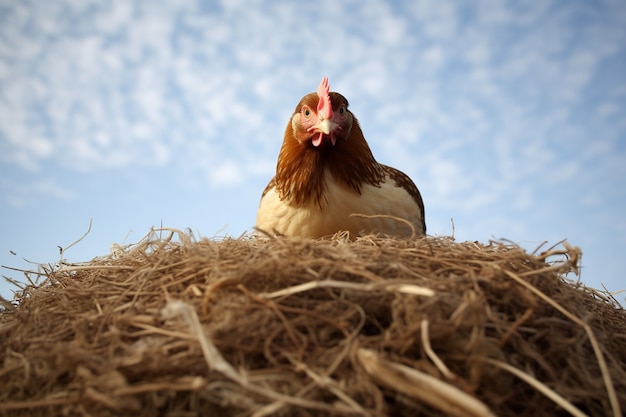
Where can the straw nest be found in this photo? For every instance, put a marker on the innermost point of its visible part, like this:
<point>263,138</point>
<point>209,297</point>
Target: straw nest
<point>178,326</point>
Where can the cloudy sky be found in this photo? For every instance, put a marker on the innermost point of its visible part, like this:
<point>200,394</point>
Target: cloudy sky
<point>509,115</point>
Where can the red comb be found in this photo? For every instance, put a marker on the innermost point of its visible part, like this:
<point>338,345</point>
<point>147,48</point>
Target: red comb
<point>324,108</point>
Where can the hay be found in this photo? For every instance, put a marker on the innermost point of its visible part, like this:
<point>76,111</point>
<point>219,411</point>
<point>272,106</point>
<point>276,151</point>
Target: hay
<point>254,327</point>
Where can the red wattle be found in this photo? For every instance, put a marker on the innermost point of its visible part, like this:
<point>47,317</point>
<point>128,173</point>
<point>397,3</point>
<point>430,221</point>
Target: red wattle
<point>317,139</point>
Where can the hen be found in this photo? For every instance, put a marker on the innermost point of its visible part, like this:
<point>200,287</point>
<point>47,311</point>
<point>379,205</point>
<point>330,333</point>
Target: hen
<point>327,179</point>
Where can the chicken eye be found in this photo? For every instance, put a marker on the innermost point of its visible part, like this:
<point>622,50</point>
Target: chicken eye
<point>342,110</point>
<point>306,112</point>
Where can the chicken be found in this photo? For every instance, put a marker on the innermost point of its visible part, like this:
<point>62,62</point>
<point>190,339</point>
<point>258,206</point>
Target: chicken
<point>327,179</point>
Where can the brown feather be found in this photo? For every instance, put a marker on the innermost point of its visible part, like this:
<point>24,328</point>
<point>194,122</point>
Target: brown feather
<point>404,181</point>
<point>300,169</point>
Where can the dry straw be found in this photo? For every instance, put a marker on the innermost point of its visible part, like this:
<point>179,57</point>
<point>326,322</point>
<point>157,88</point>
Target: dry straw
<point>176,326</point>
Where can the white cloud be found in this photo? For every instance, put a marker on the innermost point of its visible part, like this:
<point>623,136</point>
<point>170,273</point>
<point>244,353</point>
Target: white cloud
<point>225,174</point>
<point>437,20</point>
<point>27,193</point>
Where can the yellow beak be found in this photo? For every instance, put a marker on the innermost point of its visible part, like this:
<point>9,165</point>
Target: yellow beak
<point>325,126</point>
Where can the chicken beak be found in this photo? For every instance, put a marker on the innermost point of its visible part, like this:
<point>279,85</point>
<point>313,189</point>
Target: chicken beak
<point>325,126</point>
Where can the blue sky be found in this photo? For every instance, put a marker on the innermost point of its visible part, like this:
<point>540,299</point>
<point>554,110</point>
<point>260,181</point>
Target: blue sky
<point>510,116</point>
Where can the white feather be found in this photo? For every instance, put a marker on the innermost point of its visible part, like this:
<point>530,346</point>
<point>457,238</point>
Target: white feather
<point>341,212</point>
